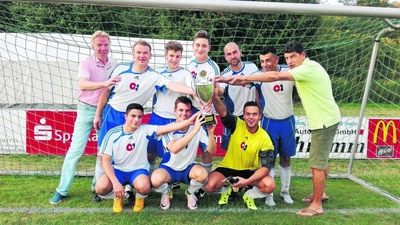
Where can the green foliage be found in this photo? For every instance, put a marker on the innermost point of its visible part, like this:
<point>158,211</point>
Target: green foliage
<point>251,31</point>
<point>347,91</point>
<point>351,91</point>
<point>385,91</point>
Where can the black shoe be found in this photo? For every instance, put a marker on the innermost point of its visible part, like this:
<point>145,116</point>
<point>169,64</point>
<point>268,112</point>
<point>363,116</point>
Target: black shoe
<point>233,197</point>
<point>176,186</point>
<point>129,198</point>
<point>96,198</point>
<point>200,193</point>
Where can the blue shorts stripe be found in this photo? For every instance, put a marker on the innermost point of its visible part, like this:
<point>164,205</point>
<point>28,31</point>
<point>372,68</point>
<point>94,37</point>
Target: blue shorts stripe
<point>178,176</point>
<point>283,135</point>
<point>129,177</point>
<point>111,118</point>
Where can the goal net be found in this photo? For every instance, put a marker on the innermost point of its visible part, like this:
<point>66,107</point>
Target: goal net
<point>41,45</point>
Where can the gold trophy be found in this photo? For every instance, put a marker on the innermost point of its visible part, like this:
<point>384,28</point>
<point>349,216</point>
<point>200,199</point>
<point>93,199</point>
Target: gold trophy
<point>204,90</point>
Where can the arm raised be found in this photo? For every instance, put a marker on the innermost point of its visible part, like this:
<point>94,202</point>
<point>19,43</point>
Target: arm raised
<point>176,126</point>
<point>176,146</point>
<point>261,77</point>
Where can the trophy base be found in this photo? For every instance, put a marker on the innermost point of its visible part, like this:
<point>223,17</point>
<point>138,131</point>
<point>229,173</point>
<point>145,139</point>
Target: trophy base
<point>209,118</point>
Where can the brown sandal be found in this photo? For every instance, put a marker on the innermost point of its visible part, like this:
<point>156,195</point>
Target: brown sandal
<point>310,198</point>
<point>309,212</point>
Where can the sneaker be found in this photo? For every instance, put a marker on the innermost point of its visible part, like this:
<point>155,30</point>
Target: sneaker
<point>286,197</point>
<point>139,204</point>
<point>269,200</point>
<point>117,207</point>
<point>229,180</point>
<point>249,202</point>
<point>96,198</point>
<point>200,193</point>
<point>129,197</point>
<point>170,194</point>
<point>57,198</point>
<point>233,197</point>
<point>176,186</point>
<point>225,197</point>
<point>164,203</point>
<point>191,200</point>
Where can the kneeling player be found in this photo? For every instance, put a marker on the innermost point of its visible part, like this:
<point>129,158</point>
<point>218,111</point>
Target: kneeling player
<point>249,144</point>
<point>124,157</point>
<point>179,162</point>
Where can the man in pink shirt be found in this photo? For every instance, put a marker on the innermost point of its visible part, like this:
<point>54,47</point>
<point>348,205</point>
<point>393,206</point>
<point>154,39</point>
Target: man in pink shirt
<point>93,77</point>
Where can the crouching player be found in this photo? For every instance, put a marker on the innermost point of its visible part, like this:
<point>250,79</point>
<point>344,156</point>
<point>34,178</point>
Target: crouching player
<point>249,145</point>
<point>124,157</point>
<point>179,161</point>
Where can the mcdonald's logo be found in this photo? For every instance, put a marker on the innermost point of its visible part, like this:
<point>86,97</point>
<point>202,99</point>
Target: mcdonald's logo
<point>385,131</point>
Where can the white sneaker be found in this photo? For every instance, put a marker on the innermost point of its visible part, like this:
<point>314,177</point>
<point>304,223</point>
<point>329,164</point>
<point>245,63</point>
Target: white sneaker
<point>164,203</point>
<point>269,200</point>
<point>191,201</point>
<point>286,197</point>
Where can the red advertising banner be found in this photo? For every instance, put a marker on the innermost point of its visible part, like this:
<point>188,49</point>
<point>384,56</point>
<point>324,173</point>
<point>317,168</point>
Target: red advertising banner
<point>50,132</point>
<point>383,139</point>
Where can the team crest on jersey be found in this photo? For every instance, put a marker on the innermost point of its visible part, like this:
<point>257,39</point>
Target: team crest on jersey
<point>130,147</point>
<point>243,146</point>
<point>194,74</point>
<point>203,74</point>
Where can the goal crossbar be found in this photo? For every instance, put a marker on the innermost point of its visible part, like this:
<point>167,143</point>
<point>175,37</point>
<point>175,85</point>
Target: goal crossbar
<point>245,7</point>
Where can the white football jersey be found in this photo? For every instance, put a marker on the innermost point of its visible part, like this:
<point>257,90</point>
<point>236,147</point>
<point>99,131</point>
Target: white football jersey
<point>134,87</point>
<point>187,155</point>
<point>237,96</point>
<point>276,97</point>
<point>205,70</point>
<point>164,103</point>
<point>128,150</point>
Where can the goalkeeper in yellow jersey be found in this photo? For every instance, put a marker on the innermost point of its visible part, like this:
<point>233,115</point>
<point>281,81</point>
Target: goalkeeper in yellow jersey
<point>249,156</point>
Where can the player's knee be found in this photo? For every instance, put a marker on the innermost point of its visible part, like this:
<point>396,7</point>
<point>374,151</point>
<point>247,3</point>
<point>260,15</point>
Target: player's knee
<point>156,181</point>
<point>151,157</point>
<point>102,188</point>
<point>206,158</point>
<point>208,187</point>
<point>268,185</point>
<point>201,175</point>
<point>211,185</point>
<point>284,161</point>
<point>143,188</point>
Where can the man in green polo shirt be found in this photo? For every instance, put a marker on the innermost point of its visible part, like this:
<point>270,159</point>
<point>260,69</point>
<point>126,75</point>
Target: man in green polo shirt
<point>315,90</point>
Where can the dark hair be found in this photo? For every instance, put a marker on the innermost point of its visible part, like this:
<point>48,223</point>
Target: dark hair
<point>293,46</point>
<point>203,34</point>
<point>134,106</point>
<point>183,99</point>
<point>173,45</point>
<point>252,103</point>
<point>268,49</point>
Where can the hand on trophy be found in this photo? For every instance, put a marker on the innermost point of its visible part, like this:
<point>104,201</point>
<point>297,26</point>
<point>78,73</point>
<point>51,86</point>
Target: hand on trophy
<point>205,91</point>
<point>208,109</point>
<point>193,118</point>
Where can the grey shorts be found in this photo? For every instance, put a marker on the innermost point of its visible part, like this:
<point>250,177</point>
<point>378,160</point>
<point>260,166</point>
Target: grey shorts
<point>321,145</point>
